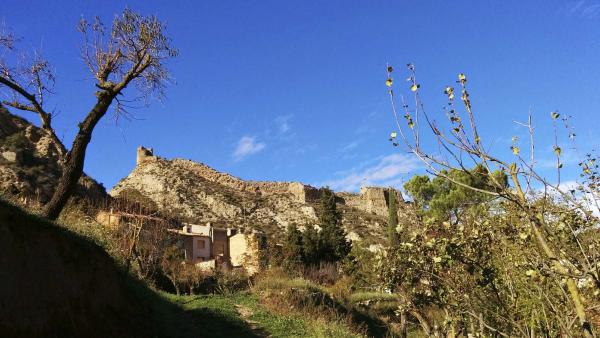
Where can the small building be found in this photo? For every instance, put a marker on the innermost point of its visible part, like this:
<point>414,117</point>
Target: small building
<point>247,251</point>
<point>114,219</point>
<point>208,246</point>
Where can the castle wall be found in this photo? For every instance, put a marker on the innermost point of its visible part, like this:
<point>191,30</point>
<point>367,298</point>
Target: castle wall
<point>302,193</point>
<point>372,199</point>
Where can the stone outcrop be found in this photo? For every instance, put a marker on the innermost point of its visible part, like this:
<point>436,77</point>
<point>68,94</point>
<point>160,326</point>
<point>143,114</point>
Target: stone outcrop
<point>11,156</point>
<point>30,162</point>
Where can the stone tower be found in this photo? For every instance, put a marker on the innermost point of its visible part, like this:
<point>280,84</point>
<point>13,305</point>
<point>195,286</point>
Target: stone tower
<point>376,199</point>
<point>144,154</point>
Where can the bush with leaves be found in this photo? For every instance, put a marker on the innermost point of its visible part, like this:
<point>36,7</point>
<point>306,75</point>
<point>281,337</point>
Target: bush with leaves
<point>528,239</point>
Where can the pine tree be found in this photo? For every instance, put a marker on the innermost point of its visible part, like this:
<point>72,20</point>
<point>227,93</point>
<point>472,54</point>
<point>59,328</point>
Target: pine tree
<point>393,236</point>
<point>335,246</point>
<point>312,246</point>
<point>328,213</point>
<point>293,255</point>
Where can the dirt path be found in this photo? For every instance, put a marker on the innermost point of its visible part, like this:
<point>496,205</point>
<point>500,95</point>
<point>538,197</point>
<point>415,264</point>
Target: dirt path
<point>246,313</point>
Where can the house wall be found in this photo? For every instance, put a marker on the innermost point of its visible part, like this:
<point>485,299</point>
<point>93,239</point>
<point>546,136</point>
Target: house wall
<point>239,250</point>
<point>199,252</point>
<point>238,247</point>
<point>245,251</point>
<point>203,230</point>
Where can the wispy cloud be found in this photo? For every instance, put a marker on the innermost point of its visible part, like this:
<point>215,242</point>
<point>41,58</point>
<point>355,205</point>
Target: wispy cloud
<point>387,171</point>
<point>247,146</point>
<point>584,8</point>
<point>283,123</point>
<point>350,146</point>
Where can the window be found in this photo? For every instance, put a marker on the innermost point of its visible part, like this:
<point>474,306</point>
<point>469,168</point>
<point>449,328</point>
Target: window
<point>201,244</point>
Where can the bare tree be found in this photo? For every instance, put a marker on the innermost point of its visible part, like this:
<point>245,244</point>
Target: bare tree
<point>131,53</point>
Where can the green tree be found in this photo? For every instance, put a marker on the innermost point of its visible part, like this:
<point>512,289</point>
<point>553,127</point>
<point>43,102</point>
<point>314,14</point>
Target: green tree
<point>393,236</point>
<point>443,200</point>
<point>328,213</point>
<point>312,246</point>
<point>335,246</point>
<point>293,255</point>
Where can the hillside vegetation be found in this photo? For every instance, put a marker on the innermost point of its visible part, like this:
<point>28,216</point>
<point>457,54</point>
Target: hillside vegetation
<point>55,283</point>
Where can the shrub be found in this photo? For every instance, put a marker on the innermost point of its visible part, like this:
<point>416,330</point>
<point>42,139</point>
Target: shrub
<point>324,273</point>
<point>229,282</point>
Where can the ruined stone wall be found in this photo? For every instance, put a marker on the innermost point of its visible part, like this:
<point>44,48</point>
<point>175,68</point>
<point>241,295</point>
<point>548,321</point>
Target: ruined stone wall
<point>272,188</point>
<point>371,199</point>
<point>301,193</point>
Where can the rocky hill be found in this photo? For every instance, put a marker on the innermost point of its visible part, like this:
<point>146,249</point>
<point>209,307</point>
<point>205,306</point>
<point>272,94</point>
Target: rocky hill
<point>30,167</point>
<point>30,163</point>
<point>196,193</point>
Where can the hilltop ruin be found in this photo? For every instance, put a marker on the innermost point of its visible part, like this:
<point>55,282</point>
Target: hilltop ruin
<point>198,194</point>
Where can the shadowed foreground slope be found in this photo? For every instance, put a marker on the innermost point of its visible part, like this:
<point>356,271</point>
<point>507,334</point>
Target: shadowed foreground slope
<point>54,283</point>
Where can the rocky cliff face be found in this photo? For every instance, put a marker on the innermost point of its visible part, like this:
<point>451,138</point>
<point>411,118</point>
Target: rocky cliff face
<point>30,162</point>
<point>197,193</point>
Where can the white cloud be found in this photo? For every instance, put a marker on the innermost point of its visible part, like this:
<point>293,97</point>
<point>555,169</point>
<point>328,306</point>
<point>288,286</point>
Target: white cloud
<point>350,146</point>
<point>283,124</point>
<point>247,146</point>
<point>386,172</point>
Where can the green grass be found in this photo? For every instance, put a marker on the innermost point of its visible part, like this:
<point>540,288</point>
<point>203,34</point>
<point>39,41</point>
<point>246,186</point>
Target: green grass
<point>258,322</point>
<point>282,294</point>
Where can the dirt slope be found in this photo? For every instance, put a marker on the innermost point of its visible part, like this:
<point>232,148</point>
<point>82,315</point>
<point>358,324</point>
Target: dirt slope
<point>56,284</point>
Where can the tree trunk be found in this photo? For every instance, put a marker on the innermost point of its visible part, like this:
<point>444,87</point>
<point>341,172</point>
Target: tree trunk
<point>537,226</point>
<point>403,325</point>
<point>73,166</point>
<point>425,326</point>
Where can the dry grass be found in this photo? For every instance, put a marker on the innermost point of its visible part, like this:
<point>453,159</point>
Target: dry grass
<point>282,294</point>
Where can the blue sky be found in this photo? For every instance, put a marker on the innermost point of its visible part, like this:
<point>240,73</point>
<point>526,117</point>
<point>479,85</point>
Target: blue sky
<point>294,90</point>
